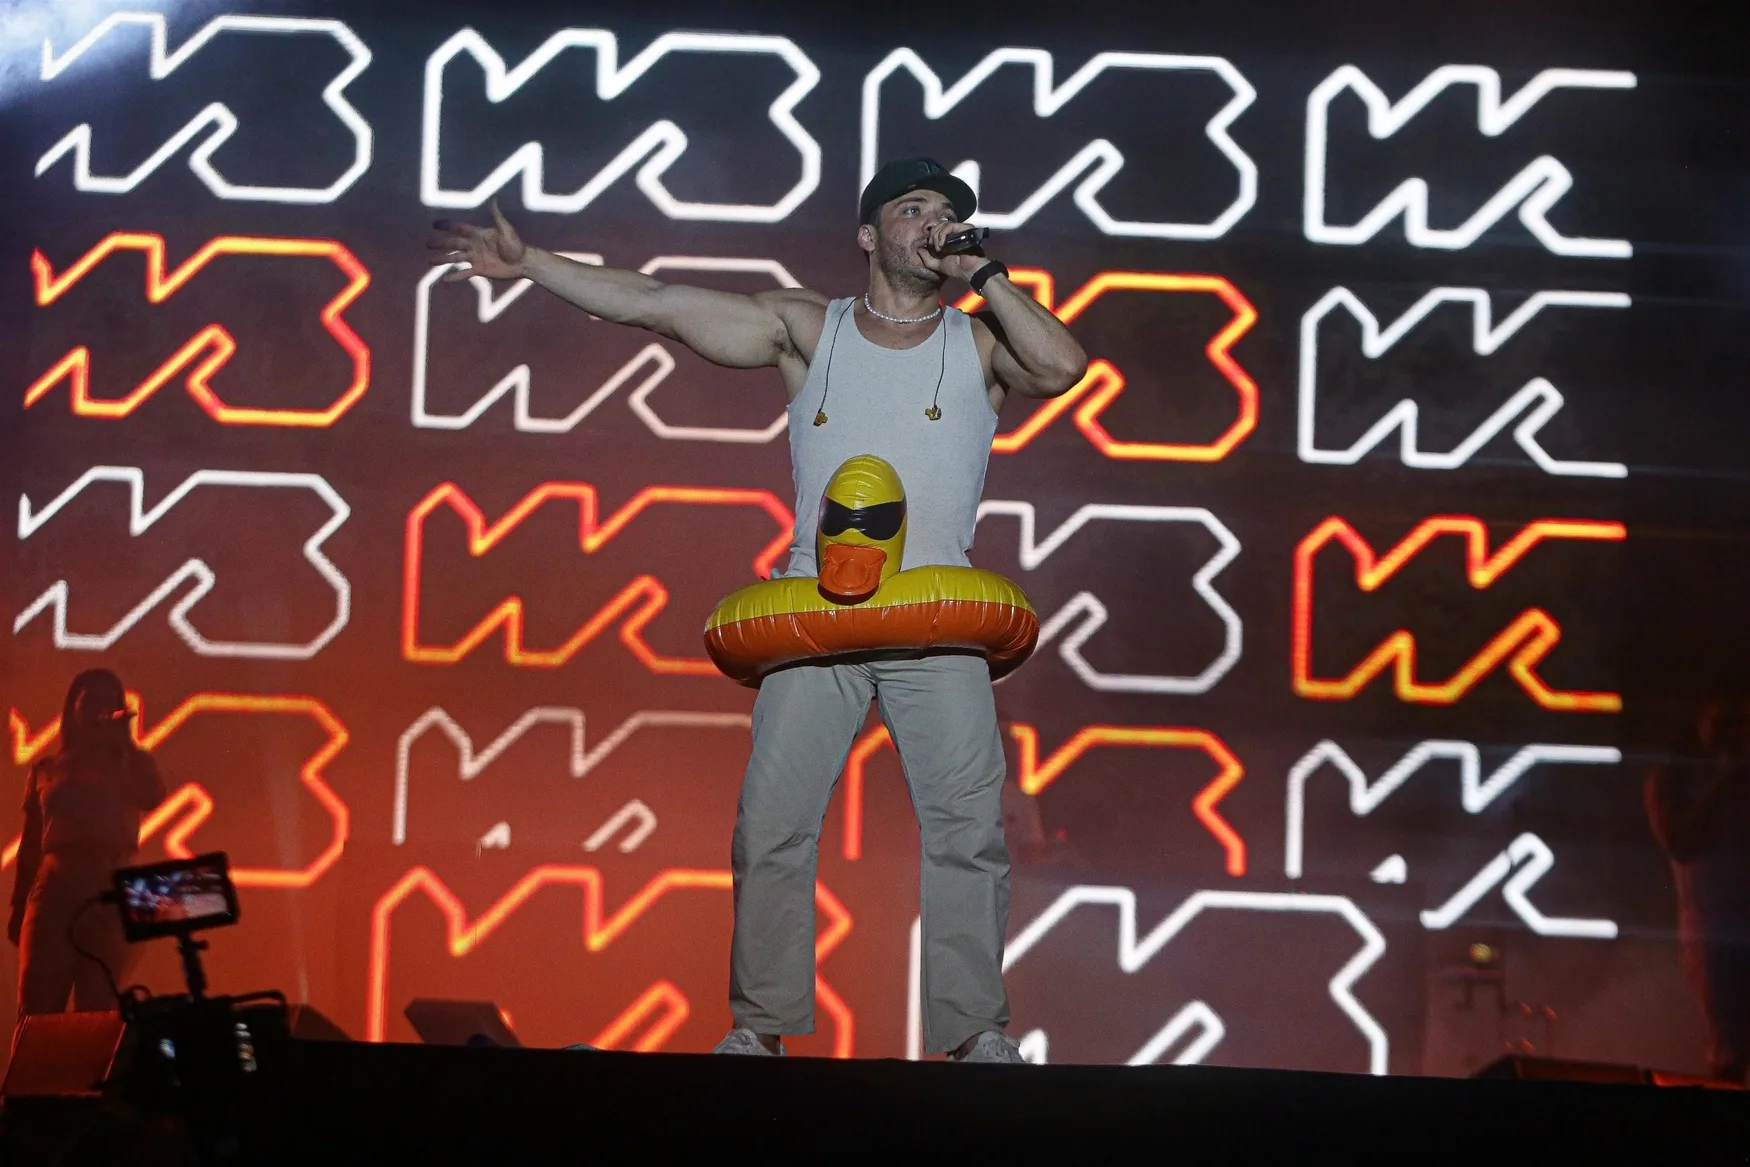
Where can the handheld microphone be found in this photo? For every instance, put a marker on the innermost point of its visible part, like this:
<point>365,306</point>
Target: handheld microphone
<point>968,242</point>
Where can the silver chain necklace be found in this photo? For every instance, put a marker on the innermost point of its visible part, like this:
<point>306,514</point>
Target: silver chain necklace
<point>873,311</point>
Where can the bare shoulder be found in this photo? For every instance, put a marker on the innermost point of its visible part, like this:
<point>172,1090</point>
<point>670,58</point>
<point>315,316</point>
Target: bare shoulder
<point>803,312</point>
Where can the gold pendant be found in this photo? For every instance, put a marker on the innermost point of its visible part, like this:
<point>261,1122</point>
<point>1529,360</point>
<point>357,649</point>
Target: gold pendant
<point>820,418</point>
<point>933,413</point>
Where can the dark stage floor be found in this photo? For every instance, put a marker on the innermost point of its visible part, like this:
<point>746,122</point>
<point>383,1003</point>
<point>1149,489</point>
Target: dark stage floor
<point>382,1103</point>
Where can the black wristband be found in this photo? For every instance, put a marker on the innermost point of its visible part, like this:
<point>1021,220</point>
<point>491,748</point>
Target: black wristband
<point>995,267</point>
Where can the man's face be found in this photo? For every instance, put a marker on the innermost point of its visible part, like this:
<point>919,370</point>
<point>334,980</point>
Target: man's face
<point>902,233</point>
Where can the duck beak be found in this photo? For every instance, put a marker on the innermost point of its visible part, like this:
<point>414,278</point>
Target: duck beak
<point>850,574</point>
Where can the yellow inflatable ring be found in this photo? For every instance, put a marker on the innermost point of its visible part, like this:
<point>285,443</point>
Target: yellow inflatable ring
<point>862,602</point>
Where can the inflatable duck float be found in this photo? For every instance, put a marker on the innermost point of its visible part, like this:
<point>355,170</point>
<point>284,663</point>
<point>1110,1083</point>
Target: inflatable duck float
<point>862,603</point>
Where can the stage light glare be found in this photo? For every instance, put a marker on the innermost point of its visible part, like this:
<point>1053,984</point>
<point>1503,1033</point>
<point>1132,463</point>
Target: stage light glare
<point>25,25</point>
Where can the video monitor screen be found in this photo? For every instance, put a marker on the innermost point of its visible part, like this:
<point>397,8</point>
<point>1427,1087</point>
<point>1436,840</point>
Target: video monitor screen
<point>178,897</point>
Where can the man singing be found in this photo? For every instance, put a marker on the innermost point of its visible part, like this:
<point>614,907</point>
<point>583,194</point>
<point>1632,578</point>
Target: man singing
<point>897,374</point>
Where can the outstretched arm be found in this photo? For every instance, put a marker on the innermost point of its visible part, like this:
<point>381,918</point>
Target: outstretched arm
<point>738,331</point>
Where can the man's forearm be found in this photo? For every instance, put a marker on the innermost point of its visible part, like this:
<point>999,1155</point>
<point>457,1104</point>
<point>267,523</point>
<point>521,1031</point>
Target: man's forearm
<point>1038,340</point>
<point>623,297</point>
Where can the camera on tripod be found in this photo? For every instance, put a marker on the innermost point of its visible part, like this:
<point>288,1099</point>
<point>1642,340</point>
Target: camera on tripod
<point>191,1040</point>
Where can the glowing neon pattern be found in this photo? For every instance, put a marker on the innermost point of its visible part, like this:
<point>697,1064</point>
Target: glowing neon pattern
<point>599,931</point>
<point>1134,953</point>
<point>213,345</point>
<point>1032,553</point>
<point>635,811</point>
<point>1195,1015</point>
<point>653,360</point>
<point>1036,1045</point>
<point>662,995</point>
<point>646,591</point>
<point>1537,399</point>
<point>658,147</point>
<point>1534,190</point>
<point>1534,859</point>
<point>1036,775</point>
<point>1522,644</point>
<point>55,598</point>
<point>216,115</point>
<point>1100,160</point>
<point>194,799</point>
<point>1102,383</point>
<point>579,760</point>
<point>654,363</point>
<point>1475,791</point>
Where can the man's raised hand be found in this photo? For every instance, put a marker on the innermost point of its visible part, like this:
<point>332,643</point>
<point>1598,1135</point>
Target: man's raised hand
<point>955,266</point>
<point>496,252</point>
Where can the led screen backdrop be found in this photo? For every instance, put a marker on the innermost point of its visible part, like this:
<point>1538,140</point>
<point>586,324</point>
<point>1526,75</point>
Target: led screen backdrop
<point>1387,528</point>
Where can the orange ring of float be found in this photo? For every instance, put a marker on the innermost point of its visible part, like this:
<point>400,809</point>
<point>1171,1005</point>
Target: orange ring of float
<point>862,602</point>
<point>779,622</point>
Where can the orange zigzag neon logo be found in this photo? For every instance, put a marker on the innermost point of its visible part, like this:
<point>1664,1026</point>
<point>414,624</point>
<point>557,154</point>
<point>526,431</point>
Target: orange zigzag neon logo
<point>1036,776</point>
<point>192,800</point>
<point>214,341</point>
<point>598,933</point>
<point>639,601</point>
<point>1522,644</point>
<point>1103,382</point>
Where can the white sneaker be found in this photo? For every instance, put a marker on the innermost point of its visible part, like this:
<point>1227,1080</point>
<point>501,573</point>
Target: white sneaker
<point>993,1046</point>
<point>746,1041</point>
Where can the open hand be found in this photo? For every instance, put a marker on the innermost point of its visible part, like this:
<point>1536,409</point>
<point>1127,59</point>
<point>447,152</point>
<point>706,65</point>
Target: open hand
<point>496,252</point>
<point>955,266</point>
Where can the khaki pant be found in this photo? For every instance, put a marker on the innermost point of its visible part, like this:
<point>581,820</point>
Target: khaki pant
<point>942,715</point>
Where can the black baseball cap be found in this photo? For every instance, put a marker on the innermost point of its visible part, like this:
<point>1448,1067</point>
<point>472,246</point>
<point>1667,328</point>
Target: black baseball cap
<point>909,174</point>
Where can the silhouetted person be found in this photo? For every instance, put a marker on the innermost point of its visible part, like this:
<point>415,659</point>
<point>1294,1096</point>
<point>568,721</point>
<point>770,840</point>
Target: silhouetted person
<point>82,808</point>
<point>1699,808</point>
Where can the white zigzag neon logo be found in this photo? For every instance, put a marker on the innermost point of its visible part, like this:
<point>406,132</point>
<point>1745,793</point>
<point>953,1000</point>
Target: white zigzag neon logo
<point>55,597</point>
<point>1196,1013</point>
<point>1535,858</point>
<point>1537,399</point>
<point>1033,553</point>
<point>1101,155</point>
<point>491,304</point>
<point>1534,190</point>
<point>580,761</point>
<point>1135,953</point>
<point>663,141</point>
<point>633,811</point>
<point>217,115</point>
<point>1036,1045</point>
<point>1476,792</point>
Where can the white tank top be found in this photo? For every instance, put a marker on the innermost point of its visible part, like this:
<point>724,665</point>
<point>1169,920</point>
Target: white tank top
<point>875,400</point>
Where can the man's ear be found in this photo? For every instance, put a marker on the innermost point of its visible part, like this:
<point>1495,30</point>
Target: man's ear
<point>866,238</point>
